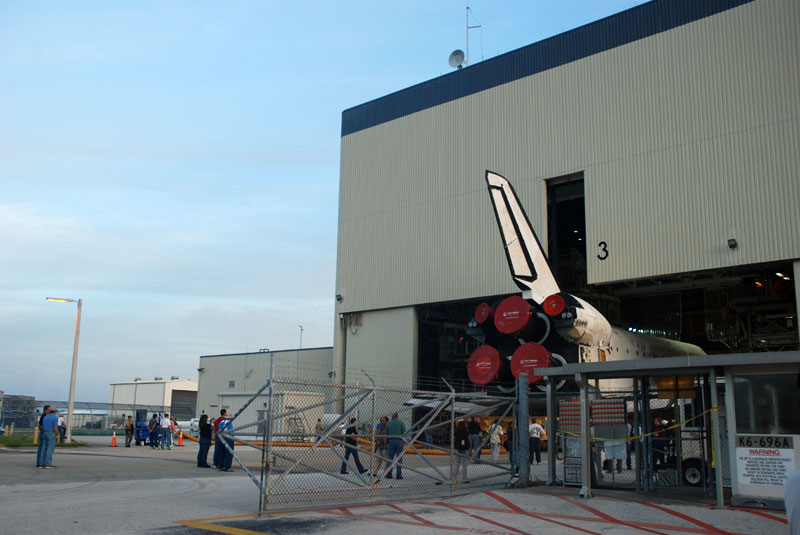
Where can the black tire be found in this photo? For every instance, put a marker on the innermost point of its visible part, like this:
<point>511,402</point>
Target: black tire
<point>692,472</point>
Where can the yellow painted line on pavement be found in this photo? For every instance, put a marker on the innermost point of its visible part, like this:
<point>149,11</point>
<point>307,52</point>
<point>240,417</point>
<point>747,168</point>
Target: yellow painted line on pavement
<point>205,523</point>
<point>197,524</point>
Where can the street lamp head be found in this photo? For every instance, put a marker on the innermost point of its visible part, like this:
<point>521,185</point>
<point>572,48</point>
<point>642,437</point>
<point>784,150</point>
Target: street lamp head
<point>61,300</point>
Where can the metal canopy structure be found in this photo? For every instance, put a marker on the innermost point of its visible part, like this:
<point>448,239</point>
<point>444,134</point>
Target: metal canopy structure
<point>668,365</point>
<point>712,365</point>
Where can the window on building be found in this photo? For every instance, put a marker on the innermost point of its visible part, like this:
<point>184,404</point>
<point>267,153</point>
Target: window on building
<point>231,384</point>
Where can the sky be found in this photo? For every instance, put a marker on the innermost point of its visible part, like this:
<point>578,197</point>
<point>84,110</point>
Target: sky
<point>175,165</point>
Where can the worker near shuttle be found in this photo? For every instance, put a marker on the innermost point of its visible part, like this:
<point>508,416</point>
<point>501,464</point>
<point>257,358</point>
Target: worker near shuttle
<point>395,430</point>
<point>351,447</point>
<point>474,430</point>
<point>535,434</point>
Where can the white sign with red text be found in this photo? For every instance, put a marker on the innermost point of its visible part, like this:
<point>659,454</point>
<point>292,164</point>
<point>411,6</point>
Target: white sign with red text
<point>764,461</point>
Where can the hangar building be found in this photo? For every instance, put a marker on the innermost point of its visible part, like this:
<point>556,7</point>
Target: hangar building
<point>655,151</point>
<point>229,381</point>
<point>177,396</point>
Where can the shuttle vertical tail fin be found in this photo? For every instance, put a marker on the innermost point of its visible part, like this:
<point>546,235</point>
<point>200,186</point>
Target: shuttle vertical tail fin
<point>525,255</point>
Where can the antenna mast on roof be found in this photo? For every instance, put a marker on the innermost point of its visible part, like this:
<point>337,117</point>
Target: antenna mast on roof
<point>471,28</point>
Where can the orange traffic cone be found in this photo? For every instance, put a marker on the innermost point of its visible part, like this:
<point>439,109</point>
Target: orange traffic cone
<point>114,439</point>
<point>180,439</point>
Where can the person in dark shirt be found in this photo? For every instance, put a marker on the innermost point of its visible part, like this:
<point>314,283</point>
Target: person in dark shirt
<point>350,447</point>
<point>205,442</point>
<point>461,444</point>
<point>152,427</point>
<point>474,430</point>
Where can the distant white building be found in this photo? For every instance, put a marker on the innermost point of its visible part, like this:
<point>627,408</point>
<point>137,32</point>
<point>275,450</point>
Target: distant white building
<point>177,396</point>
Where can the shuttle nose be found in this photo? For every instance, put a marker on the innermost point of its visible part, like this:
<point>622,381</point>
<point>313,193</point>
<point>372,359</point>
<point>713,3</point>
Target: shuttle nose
<point>554,305</point>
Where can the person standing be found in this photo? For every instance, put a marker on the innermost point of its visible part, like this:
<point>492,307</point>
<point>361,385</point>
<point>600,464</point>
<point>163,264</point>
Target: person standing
<point>319,428</point>
<point>62,428</point>
<point>227,455</point>
<point>512,453</point>
<point>495,438</point>
<point>535,434</point>
<point>166,437</point>
<point>152,427</point>
<point>351,447</point>
<point>428,436</point>
<point>474,430</point>
<point>395,430</point>
<point>49,433</point>
<point>219,449</point>
<point>461,443</point>
<point>129,428</point>
<point>381,445</point>
<point>205,442</point>
<point>174,429</point>
<point>45,412</point>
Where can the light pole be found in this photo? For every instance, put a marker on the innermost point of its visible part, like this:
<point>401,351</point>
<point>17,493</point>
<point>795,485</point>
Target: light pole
<point>71,406</point>
<point>298,351</point>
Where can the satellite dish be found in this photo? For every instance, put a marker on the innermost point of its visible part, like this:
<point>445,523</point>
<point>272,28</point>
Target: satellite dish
<point>456,59</point>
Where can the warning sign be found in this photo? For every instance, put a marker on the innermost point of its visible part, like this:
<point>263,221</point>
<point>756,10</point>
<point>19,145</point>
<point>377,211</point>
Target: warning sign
<point>764,466</point>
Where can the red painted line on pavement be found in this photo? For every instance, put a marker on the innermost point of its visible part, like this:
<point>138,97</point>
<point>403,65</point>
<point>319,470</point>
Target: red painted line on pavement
<point>412,515</point>
<point>518,510</point>
<point>761,513</point>
<point>606,517</point>
<point>694,521</point>
<point>462,509</point>
<point>594,519</point>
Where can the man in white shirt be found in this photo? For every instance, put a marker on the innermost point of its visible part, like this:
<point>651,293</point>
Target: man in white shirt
<point>535,432</point>
<point>166,437</point>
<point>62,427</point>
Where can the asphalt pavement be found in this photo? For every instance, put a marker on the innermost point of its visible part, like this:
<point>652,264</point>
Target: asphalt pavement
<point>104,490</point>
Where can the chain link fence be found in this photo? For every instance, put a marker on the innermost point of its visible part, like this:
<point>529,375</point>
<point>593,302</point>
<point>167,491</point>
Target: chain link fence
<point>328,443</point>
<point>88,418</point>
<point>660,436</point>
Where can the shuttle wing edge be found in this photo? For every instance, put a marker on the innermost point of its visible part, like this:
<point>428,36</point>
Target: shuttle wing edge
<point>526,258</point>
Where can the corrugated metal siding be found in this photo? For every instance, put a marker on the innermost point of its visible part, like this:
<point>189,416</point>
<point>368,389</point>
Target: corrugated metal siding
<point>314,365</point>
<point>686,138</point>
<point>623,28</point>
<point>385,345</point>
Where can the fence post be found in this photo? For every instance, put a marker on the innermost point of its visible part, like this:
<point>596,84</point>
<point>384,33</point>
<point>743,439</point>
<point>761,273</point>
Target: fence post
<point>522,431</point>
<point>715,436</point>
<point>551,432</point>
<point>586,439</point>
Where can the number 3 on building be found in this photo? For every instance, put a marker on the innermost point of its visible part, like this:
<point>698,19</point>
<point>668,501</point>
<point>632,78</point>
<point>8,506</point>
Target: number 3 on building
<point>603,250</point>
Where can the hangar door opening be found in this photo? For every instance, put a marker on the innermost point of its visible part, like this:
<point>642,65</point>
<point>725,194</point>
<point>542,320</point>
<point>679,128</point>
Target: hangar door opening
<point>566,232</point>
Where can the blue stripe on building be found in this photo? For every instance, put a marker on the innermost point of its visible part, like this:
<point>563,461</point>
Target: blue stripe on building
<point>605,34</point>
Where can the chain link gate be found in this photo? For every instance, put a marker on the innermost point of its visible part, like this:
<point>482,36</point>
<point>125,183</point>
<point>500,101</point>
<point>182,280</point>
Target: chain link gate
<point>321,443</point>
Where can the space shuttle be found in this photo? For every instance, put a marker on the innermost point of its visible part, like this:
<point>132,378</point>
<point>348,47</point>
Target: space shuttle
<point>544,325</point>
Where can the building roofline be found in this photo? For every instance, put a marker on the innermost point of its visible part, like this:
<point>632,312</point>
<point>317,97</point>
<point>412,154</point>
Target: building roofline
<point>602,35</point>
<point>266,352</point>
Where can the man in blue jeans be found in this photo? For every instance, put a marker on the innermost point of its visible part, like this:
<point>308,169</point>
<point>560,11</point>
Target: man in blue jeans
<point>474,430</point>
<point>49,433</point>
<point>45,411</point>
<point>395,430</point>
